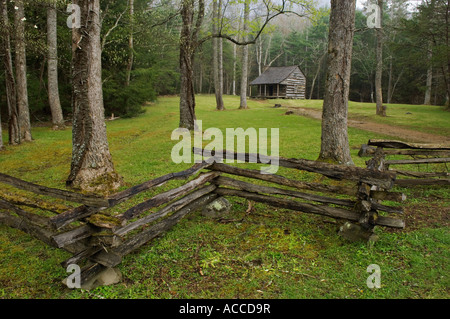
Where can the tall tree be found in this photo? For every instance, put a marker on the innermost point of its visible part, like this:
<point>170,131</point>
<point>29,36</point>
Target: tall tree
<point>217,55</point>
<point>11,100</point>
<point>235,53</point>
<point>234,67</point>
<point>429,82</point>
<point>334,141</point>
<point>130,43</point>
<point>92,168</point>
<point>52,69</point>
<point>188,45</point>
<point>244,74</point>
<point>21,71</point>
<point>381,109</point>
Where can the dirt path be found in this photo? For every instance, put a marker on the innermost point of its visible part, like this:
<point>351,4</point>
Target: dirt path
<point>385,129</point>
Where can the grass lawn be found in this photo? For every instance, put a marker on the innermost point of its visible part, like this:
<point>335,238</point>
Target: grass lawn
<point>423,118</point>
<point>269,253</point>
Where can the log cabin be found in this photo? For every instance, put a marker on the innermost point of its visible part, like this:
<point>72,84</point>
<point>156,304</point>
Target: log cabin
<point>286,82</point>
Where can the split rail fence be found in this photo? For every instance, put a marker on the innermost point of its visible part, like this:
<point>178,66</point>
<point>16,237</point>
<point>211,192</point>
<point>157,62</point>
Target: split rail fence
<point>425,157</point>
<point>98,239</point>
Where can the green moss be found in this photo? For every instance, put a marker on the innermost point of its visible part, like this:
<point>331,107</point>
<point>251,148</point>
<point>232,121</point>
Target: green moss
<point>104,221</point>
<point>105,184</point>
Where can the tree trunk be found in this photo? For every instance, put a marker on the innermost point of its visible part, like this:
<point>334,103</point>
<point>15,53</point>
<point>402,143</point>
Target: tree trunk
<point>21,72</point>
<point>11,100</point>
<point>381,109</point>
<point>334,144</point>
<point>217,56</point>
<point>319,64</point>
<point>258,51</point>
<point>188,41</point>
<point>187,98</point>
<point>389,92</point>
<point>371,92</point>
<point>130,45</point>
<point>235,60</point>
<point>234,68</point>
<point>220,60</point>
<point>52,72</point>
<point>427,100</point>
<point>200,78</point>
<point>188,46</point>
<point>92,168</point>
<point>243,103</point>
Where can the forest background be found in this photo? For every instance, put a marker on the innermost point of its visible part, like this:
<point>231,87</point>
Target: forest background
<point>140,71</point>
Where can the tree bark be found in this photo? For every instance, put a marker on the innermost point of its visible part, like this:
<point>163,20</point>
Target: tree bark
<point>258,51</point>
<point>130,45</point>
<point>217,56</point>
<point>11,97</point>
<point>200,79</point>
<point>220,60</point>
<point>21,72</point>
<point>319,65</point>
<point>234,68</point>
<point>381,109</point>
<point>389,92</point>
<point>334,141</point>
<point>427,100</point>
<point>243,102</point>
<point>187,98</point>
<point>52,72</point>
<point>92,168</point>
<point>188,45</point>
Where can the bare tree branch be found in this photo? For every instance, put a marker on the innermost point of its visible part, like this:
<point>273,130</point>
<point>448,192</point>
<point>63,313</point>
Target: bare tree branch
<point>272,11</point>
<point>113,27</point>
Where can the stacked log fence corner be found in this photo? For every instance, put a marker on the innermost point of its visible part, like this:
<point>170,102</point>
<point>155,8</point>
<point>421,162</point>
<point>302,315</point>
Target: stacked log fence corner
<point>426,164</point>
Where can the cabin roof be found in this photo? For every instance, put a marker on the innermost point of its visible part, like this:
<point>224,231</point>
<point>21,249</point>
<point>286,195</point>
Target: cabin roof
<point>274,75</point>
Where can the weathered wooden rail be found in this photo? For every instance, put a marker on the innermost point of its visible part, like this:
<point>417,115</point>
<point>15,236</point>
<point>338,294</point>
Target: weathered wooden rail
<point>417,154</point>
<point>361,205</point>
<point>98,238</point>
